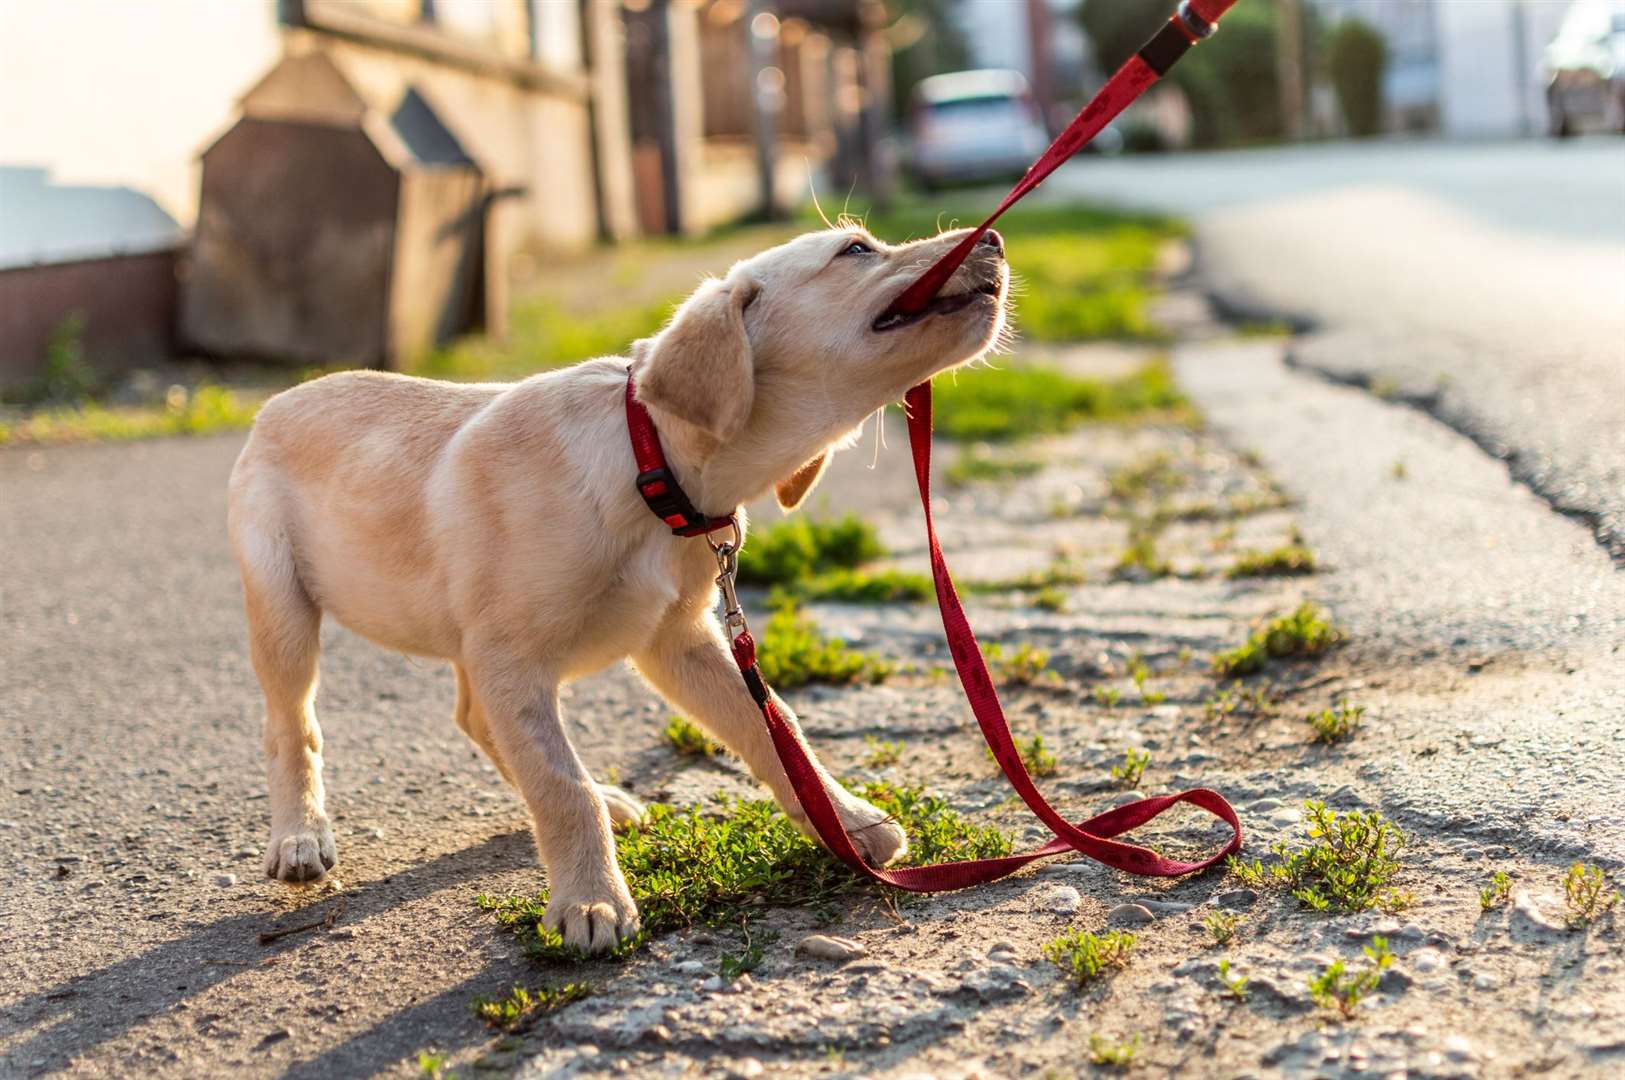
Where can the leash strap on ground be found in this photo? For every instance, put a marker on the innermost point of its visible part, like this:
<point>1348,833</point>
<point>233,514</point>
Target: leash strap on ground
<point>1195,20</point>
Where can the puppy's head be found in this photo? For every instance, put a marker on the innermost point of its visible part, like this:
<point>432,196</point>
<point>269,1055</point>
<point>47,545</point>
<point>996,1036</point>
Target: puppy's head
<point>791,350</point>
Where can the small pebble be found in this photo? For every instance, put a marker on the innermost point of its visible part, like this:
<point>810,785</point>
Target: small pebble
<point>829,947</point>
<point>1129,915</point>
<point>1064,900</point>
<point>225,881</point>
<point>1237,899</point>
<point>746,1067</point>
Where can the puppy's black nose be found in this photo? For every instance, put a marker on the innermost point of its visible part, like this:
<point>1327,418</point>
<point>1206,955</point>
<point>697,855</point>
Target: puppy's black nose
<point>993,240</point>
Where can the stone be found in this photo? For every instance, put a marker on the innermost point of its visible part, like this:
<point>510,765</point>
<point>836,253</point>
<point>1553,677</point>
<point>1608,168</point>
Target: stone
<point>1161,908</point>
<point>1129,915</point>
<point>1063,900</point>
<point>1458,1048</point>
<point>828,947</point>
<point>1530,913</point>
<point>745,1067</point>
<point>1237,899</point>
<point>225,881</point>
<point>689,967</point>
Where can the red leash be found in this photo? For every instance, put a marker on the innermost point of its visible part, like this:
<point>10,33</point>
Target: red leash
<point>1093,837</point>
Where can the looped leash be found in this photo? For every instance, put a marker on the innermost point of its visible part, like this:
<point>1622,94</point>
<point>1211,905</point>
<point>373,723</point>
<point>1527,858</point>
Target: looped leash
<point>1094,837</point>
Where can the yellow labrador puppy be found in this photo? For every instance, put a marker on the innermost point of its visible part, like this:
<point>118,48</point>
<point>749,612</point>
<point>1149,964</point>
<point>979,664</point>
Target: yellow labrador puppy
<point>497,526</point>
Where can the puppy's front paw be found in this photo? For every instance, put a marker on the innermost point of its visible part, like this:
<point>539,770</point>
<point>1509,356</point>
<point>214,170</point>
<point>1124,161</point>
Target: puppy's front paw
<point>877,837</point>
<point>624,809</point>
<point>593,923</point>
<point>302,853</point>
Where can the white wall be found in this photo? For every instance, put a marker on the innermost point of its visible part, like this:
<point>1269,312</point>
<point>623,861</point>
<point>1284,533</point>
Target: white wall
<point>118,95</point>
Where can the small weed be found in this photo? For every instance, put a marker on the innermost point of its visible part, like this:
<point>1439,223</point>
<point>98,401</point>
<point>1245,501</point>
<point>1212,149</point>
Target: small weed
<point>1049,598</point>
<point>1235,986</point>
<point>1251,874</point>
<point>793,652</point>
<point>1111,1054</point>
<point>1058,573</point>
<point>881,752</point>
<point>797,550</point>
<point>1150,477</point>
<point>1129,774</point>
<point>522,1007</point>
<point>1397,470</point>
<point>1037,757</point>
<point>1107,696</point>
<point>432,1066</point>
<point>1338,988</point>
<point>1497,892</point>
<point>1305,632</point>
<point>1084,956</point>
<point>1335,725</point>
<point>1259,701</point>
<point>1140,559</point>
<point>687,739</point>
<point>1288,560</point>
<point>1586,894</point>
<point>1140,671</point>
<point>730,967</point>
<point>856,587</point>
<point>1221,925</point>
<point>1347,867</point>
<point>979,464</point>
<point>1023,665</point>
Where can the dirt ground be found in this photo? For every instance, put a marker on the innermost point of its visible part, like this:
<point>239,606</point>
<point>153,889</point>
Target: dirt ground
<point>139,936</point>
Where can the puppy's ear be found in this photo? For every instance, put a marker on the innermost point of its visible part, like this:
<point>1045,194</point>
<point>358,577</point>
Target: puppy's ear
<point>792,491</point>
<point>699,367</point>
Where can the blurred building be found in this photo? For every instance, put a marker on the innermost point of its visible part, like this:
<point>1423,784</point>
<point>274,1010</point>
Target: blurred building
<point>583,120</point>
<point>1466,70</point>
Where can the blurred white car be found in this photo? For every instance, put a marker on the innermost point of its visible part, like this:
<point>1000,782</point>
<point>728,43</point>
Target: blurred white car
<point>973,125</point>
<point>1585,67</point>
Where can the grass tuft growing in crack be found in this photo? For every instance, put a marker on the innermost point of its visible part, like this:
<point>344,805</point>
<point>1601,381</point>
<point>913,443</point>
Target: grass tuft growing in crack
<point>857,587</point>
<point>1221,926</point>
<point>1111,1054</point>
<point>1497,892</point>
<point>882,752</point>
<point>1586,894</point>
<point>1334,725</point>
<point>1084,957</point>
<point>1338,988</point>
<point>979,464</point>
<point>1129,774</point>
<point>687,738</point>
<point>522,1007</point>
<point>998,405</point>
<point>1348,865</point>
<point>1023,666</point>
<point>1288,560</point>
<point>720,864</point>
<point>1235,986</point>
<point>1305,632</point>
<point>1037,757</point>
<point>793,652</point>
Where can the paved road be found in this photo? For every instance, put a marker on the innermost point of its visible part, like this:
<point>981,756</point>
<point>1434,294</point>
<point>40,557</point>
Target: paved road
<point>1483,282</point>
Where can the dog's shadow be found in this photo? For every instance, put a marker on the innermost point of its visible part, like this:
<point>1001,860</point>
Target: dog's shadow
<point>170,975</point>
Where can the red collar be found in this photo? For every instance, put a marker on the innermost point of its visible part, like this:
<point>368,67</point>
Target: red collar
<point>656,483</point>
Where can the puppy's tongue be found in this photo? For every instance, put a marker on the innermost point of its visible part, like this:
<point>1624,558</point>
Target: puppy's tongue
<point>1195,20</point>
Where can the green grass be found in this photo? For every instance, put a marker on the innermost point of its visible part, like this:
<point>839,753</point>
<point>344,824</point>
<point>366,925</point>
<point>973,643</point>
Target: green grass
<point>978,464</point>
<point>522,1007</point>
<point>1342,990</point>
<point>857,587</point>
<point>1112,1054</point>
<point>882,752</point>
<point>793,652</point>
<point>687,738</point>
<point>799,549</point>
<point>1050,598</point>
<point>1348,865</point>
<point>1129,774</point>
<point>1305,632</point>
<point>1085,272</point>
<point>203,411</point>
<point>1235,986</point>
<point>1587,895</point>
<point>1057,574</point>
<point>721,864</point>
<point>1084,957</point>
<point>1039,760</point>
<point>1288,560</point>
<point>1336,724</point>
<point>1022,666</point>
<point>1249,701</point>
<point>1140,559</point>
<point>1221,926</point>
<point>1150,477</point>
<point>1004,404</point>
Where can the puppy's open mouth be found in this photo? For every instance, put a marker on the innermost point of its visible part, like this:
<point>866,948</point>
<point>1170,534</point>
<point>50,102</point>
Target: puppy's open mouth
<point>940,305</point>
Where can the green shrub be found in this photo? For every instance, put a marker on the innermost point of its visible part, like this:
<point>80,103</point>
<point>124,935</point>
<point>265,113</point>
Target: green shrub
<point>688,739</point>
<point>793,652</point>
<point>797,549</point>
<point>1305,632</point>
<point>1084,956</point>
<point>1356,55</point>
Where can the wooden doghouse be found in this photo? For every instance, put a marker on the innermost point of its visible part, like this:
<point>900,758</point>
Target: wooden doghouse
<point>333,232</point>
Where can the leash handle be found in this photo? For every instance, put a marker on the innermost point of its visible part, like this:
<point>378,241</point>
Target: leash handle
<point>1195,20</point>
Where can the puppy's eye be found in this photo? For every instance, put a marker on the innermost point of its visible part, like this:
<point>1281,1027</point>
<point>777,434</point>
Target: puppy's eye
<point>858,247</point>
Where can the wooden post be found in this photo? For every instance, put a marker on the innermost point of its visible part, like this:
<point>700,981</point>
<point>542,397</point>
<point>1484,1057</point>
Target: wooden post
<point>767,99</point>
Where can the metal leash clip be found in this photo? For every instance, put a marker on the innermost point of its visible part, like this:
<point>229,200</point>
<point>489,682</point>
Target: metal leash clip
<point>727,553</point>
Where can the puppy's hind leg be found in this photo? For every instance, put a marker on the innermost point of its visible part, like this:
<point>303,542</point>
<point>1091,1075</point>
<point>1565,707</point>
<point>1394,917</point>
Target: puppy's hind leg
<point>284,627</point>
